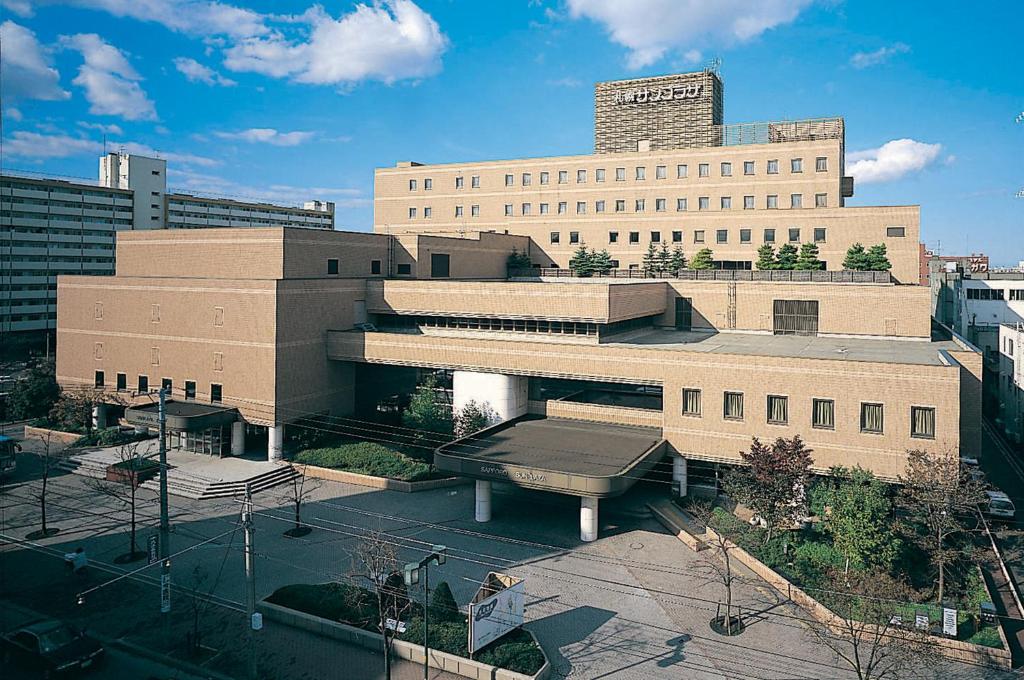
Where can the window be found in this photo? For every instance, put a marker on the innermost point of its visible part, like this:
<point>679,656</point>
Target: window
<point>613,237</point>
<point>404,269</point>
<point>412,185</point>
<point>526,208</point>
<point>428,184</point>
<point>599,206</point>
<point>458,211</point>
<point>722,236</point>
<point>703,203</point>
<point>581,207</point>
<point>641,173</point>
<point>773,167</point>
<point>726,169</point>
<point>819,234</point>
<point>440,265</point>
<point>820,200</point>
<point>922,422</point>
<point>122,382</point>
<point>581,176</point>
<point>555,237</point>
<point>545,177</point>
<point>680,205</point>
<point>732,406</point>
<point>508,210</point>
<point>703,170</point>
<point>772,201</point>
<point>427,212</point>
<point>748,167</point>
<point>823,414</point>
<point>412,213</point>
<point>375,266</point>
<point>460,182</point>
<point>796,165</point>
<point>527,179</point>
<point>659,205</point>
<point>563,176</point>
<point>871,418</point>
<point>599,175</point>
<point>795,317</point>
<point>895,232</point>
<point>691,402</point>
<point>660,172</point>
<point>821,164</point>
<point>681,171</point>
<point>216,392</point>
<point>474,211</point>
<point>544,208</point>
<point>474,181</point>
<point>620,205</point>
<point>634,237</point>
<point>655,237</point>
<point>167,385</point>
<point>574,237</point>
<point>99,380</point>
<point>510,180</point>
<point>218,316</point>
<point>778,409</point>
<point>769,236</point>
<point>620,174</point>
<point>726,202</point>
<point>677,237</point>
<point>796,201</point>
<point>640,205</point>
<point>748,202</point>
<point>154,313</point>
<point>332,267</point>
<point>744,236</point>
<point>794,235</point>
<point>190,389</point>
<point>563,207</point>
<point>698,236</point>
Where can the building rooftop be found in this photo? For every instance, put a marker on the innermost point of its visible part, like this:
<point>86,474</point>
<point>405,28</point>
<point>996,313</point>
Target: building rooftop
<point>921,352</point>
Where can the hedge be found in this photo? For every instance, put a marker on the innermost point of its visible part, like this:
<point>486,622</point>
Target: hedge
<point>367,458</point>
<point>111,436</point>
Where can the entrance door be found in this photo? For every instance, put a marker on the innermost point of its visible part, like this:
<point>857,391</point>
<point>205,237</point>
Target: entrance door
<point>684,314</point>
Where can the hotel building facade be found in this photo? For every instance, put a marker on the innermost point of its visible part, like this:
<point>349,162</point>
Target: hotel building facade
<point>594,381</point>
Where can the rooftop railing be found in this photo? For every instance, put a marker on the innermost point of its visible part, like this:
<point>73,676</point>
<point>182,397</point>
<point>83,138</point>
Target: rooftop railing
<point>787,276</point>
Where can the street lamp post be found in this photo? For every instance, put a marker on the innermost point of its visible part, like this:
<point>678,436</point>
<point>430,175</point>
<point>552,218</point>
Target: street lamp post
<point>438,556</point>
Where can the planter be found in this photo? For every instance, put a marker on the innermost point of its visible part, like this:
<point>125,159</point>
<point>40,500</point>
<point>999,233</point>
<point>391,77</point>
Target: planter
<point>123,475</point>
<point>456,665</point>
<point>381,482</point>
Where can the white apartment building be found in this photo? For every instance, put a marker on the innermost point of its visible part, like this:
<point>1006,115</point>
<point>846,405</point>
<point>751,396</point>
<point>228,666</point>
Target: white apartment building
<point>1011,381</point>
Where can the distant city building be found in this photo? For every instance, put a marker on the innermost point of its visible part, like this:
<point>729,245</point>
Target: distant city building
<point>975,263</point>
<point>1011,381</point>
<point>185,211</point>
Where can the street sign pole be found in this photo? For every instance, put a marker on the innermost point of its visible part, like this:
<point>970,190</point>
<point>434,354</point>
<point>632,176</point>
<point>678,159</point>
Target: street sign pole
<point>250,580</point>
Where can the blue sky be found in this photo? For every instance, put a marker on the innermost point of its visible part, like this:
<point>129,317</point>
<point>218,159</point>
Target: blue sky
<point>289,100</point>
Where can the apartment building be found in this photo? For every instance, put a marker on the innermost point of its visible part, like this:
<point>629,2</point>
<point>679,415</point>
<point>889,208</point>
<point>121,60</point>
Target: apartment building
<point>185,211</point>
<point>1010,417</point>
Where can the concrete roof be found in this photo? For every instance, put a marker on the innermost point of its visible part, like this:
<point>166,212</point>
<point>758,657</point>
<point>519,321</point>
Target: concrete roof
<point>922,352</point>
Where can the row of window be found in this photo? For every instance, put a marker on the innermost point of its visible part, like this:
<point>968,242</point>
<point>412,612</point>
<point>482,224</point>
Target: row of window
<point>62,190</point>
<point>699,236</point>
<point>823,415</point>
<point>725,169</point>
<point>995,293</point>
<point>167,384</point>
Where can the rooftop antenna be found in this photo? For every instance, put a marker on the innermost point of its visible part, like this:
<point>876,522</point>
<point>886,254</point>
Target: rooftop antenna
<point>714,65</point>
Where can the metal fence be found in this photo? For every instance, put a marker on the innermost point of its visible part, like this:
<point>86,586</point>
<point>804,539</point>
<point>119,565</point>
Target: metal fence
<point>787,276</point>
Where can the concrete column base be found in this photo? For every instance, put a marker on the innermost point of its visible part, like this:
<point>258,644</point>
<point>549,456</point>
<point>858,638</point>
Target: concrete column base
<point>483,501</point>
<point>275,442</point>
<point>679,476</point>
<point>588,519</point>
<point>238,438</point>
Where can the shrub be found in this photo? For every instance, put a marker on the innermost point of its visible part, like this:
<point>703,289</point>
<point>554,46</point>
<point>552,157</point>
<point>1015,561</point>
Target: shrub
<point>110,436</point>
<point>442,604</point>
<point>816,556</point>
<point>367,458</point>
<point>333,601</point>
<point>515,651</point>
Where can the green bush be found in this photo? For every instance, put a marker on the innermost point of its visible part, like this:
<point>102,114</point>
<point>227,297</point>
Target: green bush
<point>447,636</point>
<point>110,436</point>
<point>367,458</point>
<point>987,637</point>
<point>334,601</point>
<point>515,651</point>
<point>818,556</point>
<point>442,604</point>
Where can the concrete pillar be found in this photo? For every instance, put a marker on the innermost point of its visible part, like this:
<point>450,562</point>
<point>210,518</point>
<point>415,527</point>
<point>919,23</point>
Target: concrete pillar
<point>141,429</point>
<point>505,394</point>
<point>588,519</point>
<point>275,442</point>
<point>679,475</point>
<point>238,438</point>
<point>483,501</point>
<point>99,416</point>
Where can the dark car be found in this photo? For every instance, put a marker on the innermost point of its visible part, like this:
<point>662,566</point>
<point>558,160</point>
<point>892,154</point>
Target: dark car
<point>52,648</point>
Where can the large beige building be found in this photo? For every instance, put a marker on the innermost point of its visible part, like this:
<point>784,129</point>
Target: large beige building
<point>593,381</point>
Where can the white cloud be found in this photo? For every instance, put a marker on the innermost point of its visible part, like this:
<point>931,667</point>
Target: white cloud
<point>111,84</point>
<point>879,56</point>
<point>194,17</point>
<point>25,66</point>
<point>268,136</point>
<point>21,8</point>
<point>196,72</point>
<point>35,145</point>
<point>651,28</point>
<point>202,183</point>
<point>891,161</point>
<point>389,41</point>
<point>13,113</point>
<point>106,129</point>
<point>566,82</point>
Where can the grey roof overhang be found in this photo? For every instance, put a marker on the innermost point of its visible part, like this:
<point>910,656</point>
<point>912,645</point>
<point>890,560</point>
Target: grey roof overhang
<point>182,416</point>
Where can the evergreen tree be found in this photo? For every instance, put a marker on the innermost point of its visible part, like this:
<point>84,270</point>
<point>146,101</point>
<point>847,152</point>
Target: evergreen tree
<point>518,260</point>
<point>787,257</point>
<point>428,410</point>
<point>601,262</point>
<point>664,258</point>
<point>442,604</point>
<point>766,258</point>
<point>856,258</point>
<point>703,259</point>
<point>650,261</point>
<point>808,258</point>
<point>677,261</point>
<point>581,264</point>
<point>877,260</point>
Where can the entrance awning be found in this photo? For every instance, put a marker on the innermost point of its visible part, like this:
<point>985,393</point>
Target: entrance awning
<point>555,454</point>
<point>182,416</point>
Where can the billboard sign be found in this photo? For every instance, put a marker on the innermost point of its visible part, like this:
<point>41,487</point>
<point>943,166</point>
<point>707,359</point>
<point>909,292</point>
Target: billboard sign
<point>496,609</point>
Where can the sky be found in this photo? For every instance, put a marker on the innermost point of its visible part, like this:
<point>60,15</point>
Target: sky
<point>287,100</point>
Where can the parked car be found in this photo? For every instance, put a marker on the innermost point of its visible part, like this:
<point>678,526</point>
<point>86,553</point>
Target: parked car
<point>999,505</point>
<point>53,648</point>
<point>8,451</point>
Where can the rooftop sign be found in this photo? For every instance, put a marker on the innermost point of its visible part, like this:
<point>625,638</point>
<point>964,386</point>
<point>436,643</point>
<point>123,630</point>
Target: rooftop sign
<point>644,95</point>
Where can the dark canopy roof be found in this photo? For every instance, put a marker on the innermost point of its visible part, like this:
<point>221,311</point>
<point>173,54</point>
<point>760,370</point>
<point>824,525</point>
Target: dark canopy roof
<point>182,416</point>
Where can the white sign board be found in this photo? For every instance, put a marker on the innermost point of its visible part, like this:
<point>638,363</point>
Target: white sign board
<point>497,614</point>
<point>949,622</point>
<point>165,593</point>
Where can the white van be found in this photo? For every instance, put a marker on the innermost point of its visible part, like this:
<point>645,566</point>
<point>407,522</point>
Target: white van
<point>999,505</point>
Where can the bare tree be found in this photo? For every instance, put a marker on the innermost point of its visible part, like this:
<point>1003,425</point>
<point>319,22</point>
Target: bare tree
<point>298,491</point>
<point>868,632</point>
<point>198,600</point>
<point>124,491</point>
<point>941,496</point>
<point>379,559</point>
<point>48,459</point>
<point>719,565</point>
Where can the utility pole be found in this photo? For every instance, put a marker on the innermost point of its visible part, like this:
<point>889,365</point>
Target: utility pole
<point>165,525</point>
<point>250,580</point>
<point>412,571</point>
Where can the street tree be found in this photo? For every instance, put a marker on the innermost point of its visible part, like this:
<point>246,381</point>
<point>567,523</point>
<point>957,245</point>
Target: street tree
<point>722,542</point>
<point>703,259</point>
<point>49,457</point>
<point>378,559</point>
<point>868,633</point>
<point>856,258</point>
<point>942,500</point>
<point>857,513</point>
<point>877,259</point>
<point>428,411</point>
<point>772,480</point>
<point>299,490</point>
<point>35,394</point>
<point>766,258</point>
<point>73,410</point>
<point>473,417</point>
<point>123,490</point>
<point>808,258</point>
<point>677,261</point>
<point>787,257</point>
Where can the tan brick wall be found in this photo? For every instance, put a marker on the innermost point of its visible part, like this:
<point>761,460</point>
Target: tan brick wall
<point>306,252</point>
<point>599,413</point>
<point>201,253</point>
<point>482,255</point>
